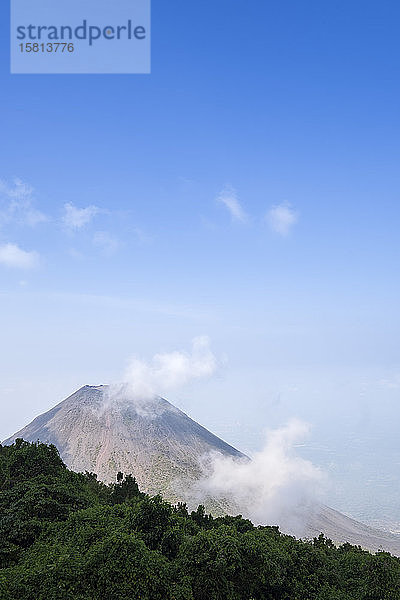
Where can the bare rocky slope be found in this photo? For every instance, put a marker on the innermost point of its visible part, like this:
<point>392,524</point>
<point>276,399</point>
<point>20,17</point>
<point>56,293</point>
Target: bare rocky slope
<point>96,429</point>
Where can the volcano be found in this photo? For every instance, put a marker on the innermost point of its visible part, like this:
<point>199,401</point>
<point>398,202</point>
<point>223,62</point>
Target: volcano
<point>100,429</point>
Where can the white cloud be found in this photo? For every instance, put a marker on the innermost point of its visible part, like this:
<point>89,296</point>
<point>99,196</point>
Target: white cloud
<point>281,218</point>
<point>170,371</point>
<point>76,218</point>
<point>275,487</point>
<point>13,256</point>
<point>229,199</point>
<point>16,204</point>
<point>106,242</point>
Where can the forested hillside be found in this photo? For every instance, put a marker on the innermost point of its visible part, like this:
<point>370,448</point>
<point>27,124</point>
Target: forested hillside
<point>66,536</point>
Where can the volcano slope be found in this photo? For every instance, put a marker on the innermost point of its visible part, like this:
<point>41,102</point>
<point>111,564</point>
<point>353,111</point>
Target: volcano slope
<point>101,430</point>
<point>98,429</point>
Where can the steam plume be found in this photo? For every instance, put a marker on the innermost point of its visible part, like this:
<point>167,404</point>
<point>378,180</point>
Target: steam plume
<point>146,380</point>
<point>170,371</point>
<point>275,487</point>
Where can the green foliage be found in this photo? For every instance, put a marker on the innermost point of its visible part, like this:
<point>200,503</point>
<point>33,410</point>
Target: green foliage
<point>125,489</point>
<point>67,536</point>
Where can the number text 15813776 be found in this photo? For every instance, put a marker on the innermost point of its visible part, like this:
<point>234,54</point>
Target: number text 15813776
<point>47,47</point>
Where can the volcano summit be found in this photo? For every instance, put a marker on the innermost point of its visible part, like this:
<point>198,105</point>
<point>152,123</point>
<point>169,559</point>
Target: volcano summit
<point>101,430</point>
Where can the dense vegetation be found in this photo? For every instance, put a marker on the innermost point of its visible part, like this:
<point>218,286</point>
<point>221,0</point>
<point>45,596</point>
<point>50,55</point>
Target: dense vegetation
<point>67,536</point>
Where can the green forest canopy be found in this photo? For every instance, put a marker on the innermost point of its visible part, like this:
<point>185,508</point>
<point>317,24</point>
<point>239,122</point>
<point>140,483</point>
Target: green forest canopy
<point>65,535</point>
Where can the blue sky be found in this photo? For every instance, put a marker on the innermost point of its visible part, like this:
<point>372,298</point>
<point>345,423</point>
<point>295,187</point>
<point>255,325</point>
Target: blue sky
<point>248,190</point>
